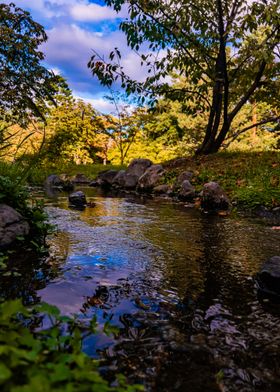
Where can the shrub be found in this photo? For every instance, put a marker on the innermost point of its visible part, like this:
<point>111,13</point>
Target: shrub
<point>50,359</point>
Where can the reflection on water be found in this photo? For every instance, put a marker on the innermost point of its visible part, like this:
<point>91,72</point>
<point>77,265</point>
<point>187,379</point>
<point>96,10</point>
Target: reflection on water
<point>176,282</point>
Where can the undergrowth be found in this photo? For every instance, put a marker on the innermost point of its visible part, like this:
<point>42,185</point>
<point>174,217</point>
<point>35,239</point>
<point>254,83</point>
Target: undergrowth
<point>16,196</point>
<point>33,358</point>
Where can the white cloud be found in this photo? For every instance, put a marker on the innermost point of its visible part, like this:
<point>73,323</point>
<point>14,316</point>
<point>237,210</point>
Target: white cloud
<point>77,10</point>
<point>38,6</point>
<point>70,47</point>
<point>94,12</point>
<point>132,66</point>
<point>73,45</point>
<point>101,104</point>
<point>56,71</point>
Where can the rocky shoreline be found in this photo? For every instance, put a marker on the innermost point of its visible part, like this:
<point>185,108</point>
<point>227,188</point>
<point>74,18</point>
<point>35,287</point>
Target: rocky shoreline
<point>142,177</point>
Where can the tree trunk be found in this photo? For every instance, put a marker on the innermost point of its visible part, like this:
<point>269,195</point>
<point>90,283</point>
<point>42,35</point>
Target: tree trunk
<point>254,121</point>
<point>219,108</point>
<point>213,144</point>
<point>122,155</point>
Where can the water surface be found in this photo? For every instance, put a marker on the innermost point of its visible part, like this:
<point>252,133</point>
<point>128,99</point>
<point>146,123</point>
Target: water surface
<point>179,285</point>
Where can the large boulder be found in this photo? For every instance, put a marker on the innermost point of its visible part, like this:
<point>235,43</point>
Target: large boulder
<point>186,191</point>
<point>119,179</point>
<point>213,197</point>
<point>105,179</point>
<point>54,181</point>
<point>68,184</point>
<point>130,181</point>
<point>186,175</point>
<point>162,189</point>
<point>77,199</point>
<point>80,179</point>
<point>269,277</point>
<point>12,225</point>
<point>137,167</point>
<point>151,178</point>
<point>62,182</point>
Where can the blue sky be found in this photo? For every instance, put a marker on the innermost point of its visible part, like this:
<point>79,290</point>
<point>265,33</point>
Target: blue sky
<point>75,28</point>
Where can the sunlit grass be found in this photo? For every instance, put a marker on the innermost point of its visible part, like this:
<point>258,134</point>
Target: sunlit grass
<point>35,174</point>
<point>38,174</point>
<point>248,178</point>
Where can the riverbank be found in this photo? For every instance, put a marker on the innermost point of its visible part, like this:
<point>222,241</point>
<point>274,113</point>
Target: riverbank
<point>249,179</point>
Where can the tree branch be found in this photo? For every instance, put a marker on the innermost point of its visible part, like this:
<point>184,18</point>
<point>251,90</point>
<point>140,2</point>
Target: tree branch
<point>154,19</point>
<point>236,134</point>
<point>249,92</point>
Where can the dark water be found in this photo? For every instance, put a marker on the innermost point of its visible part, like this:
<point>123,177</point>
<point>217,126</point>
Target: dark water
<point>177,283</point>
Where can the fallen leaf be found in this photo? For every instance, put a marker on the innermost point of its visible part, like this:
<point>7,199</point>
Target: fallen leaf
<point>141,305</point>
<point>223,213</point>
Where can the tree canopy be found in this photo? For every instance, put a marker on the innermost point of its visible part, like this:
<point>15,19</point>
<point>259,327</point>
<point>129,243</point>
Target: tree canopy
<point>227,50</point>
<point>25,84</point>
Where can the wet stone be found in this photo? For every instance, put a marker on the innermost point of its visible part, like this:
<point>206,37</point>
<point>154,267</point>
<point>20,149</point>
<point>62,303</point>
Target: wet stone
<point>80,178</point>
<point>137,167</point>
<point>77,199</point>
<point>12,225</point>
<point>187,191</point>
<point>213,197</point>
<point>54,180</point>
<point>269,276</point>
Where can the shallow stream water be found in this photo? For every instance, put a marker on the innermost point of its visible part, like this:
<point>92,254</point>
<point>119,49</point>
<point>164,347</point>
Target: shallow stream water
<point>178,284</point>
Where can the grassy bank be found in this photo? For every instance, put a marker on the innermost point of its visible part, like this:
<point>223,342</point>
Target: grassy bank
<point>250,179</point>
<point>37,173</point>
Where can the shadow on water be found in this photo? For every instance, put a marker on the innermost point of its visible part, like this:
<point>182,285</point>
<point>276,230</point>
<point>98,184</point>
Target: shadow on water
<point>177,283</point>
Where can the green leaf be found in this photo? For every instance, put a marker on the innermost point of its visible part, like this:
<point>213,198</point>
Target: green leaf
<point>48,309</point>
<point>5,373</point>
<point>110,329</point>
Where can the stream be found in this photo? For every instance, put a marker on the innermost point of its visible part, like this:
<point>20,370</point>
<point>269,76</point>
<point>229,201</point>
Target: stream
<point>177,283</point>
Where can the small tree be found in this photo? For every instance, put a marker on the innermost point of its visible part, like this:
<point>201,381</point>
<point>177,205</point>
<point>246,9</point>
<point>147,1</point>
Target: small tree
<point>73,128</point>
<point>123,124</point>
<point>226,49</point>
